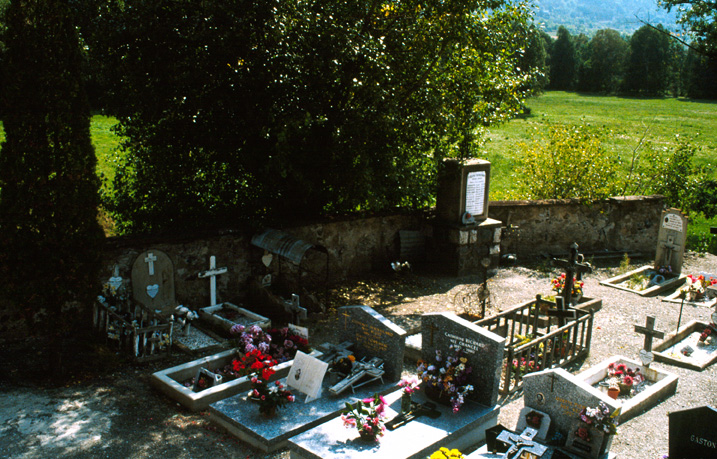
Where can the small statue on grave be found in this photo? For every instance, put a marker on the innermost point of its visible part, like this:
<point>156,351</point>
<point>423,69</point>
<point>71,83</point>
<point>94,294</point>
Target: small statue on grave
<point>183,317</point>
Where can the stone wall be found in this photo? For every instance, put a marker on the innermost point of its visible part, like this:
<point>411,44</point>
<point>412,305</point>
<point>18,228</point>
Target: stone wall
<point>360,245</point>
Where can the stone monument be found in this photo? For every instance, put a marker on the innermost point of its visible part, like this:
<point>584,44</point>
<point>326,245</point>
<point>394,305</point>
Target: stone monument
<point>153,282</point>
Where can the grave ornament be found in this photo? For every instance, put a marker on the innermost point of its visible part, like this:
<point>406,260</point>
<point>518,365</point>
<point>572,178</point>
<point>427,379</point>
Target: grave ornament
<point>153,282</point>
<point>306,375</point>
<point>212,274</point>
<point>417,410</point>
<point>362,373</point>
<point>573,267</point>
<point>523,443</point>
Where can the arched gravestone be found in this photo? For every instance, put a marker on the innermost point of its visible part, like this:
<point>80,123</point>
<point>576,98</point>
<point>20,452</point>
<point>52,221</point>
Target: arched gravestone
<point>153,282</point>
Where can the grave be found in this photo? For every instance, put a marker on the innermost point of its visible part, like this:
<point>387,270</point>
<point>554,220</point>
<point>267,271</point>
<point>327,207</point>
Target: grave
<point>223,316</point>
<point>708,299</point>
<point>661,385</point>
<point>417,439</point>
<point>685,340</point>
<point>666,271</point>
<point>693,433</point>
<point>153,282</point>
<point>373,336</point>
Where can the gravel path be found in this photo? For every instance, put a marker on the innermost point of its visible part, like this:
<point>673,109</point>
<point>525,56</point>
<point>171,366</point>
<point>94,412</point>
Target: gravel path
<point>113,412</point>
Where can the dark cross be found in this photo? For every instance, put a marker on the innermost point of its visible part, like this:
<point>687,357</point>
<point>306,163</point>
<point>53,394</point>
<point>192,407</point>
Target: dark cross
<point>649,331</point>
<point>433,328</point>
<point>561,312</point>
<point>572,268</point>
<point>522,443</point>
<point>552,381</point>
<point>670,247</point>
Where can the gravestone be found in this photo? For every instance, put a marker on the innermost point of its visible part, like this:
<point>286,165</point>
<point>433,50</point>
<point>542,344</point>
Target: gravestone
<point>153,282</point>
<point>671,241</point>
<point>462,196</point>
<point>484,350</point>
<point>693,433</point>
<point>561,396</point>
<point>373,336</point>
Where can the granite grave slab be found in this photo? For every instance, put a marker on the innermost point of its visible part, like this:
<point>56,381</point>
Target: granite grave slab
<point>483,349</point>
<point>373,335</point>
<point>693,433</point>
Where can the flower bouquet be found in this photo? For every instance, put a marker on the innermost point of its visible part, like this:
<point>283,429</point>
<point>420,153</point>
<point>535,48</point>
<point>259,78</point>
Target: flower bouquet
<point>445,453</point>
<point>410,384</point>
<point>600,418</point>
<point>366,415</point>
<point>280,343</point>
<point>448,377</point>
<point>695,286</point>
<point>261,367</point>
<point>619,375</point>
<point>559,285</point>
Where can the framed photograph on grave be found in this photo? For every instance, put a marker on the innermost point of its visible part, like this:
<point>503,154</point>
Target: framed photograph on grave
<point>306,375</point>
<point>586,441</point>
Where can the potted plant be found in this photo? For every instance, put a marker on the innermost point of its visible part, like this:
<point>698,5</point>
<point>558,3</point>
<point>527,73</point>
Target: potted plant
<point>597,424</point>
<point>695,286</point>
<point>269,396</point>
<point>446,380</point>
<point>558,285</point>
<point>626,377</point>
<point>366,416</point>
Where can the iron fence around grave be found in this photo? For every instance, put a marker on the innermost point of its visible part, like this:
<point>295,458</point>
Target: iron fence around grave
<point>535,343</point>
<point>136,332</point>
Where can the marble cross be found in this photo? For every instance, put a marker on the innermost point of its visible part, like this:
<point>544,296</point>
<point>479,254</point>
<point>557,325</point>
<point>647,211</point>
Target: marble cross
<point>150,259</point>
<point>212,274</point>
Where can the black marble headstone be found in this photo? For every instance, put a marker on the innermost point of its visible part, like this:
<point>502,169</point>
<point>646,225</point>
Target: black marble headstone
<point>693,433</point>
<point>373,335</point>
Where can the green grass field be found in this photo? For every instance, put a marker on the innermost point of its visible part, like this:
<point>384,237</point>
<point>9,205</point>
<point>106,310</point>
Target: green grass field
<point>625,119</point>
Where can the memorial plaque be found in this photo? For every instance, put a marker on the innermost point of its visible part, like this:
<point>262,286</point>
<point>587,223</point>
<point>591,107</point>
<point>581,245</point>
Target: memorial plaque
<point>562,396</point>
<point>693,433</point>
<point>306,375</point>
<point>484,350</point>
<point>373,335</point>
<point>463,189</point>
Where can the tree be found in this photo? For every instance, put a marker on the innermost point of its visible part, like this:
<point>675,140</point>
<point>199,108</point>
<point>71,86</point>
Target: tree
<point>700,76</point>
<point>699,18</point>
<point>605,62</point>
<point>237,110</point>
<point>535,59</point>
<point>648,66</point>
<point>49,235</point>
<point>563,61</point>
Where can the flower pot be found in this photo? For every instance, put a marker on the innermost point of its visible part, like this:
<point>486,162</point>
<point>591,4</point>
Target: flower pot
<point>405,403</point>
<point>367,436</point>
<point>613,392</point>
<point>625,389</point>
<point>437,395</point>
<point>268,412</point>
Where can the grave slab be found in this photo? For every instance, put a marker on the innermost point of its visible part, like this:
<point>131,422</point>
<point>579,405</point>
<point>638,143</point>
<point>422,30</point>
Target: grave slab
<point>169,381</point>
<point>483,349</point>
<point>241,418</point>
<point>239,316</point>
<point>669,350</point>
<point>562,396</point>
<point>693,433</point>
<point>664,385</point>
<point>373,335</point>
<point>415,440</point>
<point>620,282</point>
<point>483,453</point>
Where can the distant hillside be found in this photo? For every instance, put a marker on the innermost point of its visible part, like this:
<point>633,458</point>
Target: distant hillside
<point>589,16</point>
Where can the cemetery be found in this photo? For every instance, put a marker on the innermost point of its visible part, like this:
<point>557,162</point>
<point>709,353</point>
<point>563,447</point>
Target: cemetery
<point>336,372</point>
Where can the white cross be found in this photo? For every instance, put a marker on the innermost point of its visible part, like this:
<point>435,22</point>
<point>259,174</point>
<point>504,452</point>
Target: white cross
<point>212,275</point>
<point>150,259</point>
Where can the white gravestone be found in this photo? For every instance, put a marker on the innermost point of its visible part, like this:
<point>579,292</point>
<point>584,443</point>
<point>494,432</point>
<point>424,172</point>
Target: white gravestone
<point>671,241</point>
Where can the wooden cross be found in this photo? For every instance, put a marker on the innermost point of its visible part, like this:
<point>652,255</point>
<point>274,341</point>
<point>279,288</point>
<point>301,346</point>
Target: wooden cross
<point>649,331</point>
<point>561,312</point>
<point>571,267</point>
<point>150,259</point>
<point>433,328</point>
<point>212,275</point>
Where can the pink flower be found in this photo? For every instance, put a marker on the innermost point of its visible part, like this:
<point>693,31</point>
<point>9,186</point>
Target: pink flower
<point>348,422</point>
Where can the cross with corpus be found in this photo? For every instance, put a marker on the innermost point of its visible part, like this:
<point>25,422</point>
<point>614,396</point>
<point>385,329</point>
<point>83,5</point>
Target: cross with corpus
<point>571,267</point>
<point>649,331</point>
<point>212,274</point>
<point>522,443</point>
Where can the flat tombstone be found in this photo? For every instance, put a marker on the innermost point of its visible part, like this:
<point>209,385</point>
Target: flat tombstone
<point>484,350</point>
<point>693,433</point>
<point>561,396</point>
<point>153,282</point>
<point>373,335</point>
<point>671,240</point>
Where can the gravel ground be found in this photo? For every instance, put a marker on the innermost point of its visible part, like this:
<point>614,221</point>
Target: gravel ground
<point>107,409</point>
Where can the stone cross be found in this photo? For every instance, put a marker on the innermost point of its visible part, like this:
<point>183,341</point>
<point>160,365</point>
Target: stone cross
<point>212,274</point>
<point>561,312</point>
<point>150,259</point>
<point>571,267</point>
<point>649,331</point>
<point>433,328</point>
<point>522,443</point>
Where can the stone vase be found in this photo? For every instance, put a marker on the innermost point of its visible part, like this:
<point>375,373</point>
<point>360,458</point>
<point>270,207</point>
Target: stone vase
<point>268,412</point>
<point>405,403</point>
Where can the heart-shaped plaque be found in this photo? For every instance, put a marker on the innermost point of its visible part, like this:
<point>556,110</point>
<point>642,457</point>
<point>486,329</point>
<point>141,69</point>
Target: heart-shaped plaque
<point>646,357</point>
<point>266,259</point>
<point>152,290</point>
<point>115,282</point>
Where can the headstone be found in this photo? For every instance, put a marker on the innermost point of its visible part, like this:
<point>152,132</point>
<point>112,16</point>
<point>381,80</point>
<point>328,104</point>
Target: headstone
<point>373,336</point>
<point>484,350</point>
<point>693,433</point>
<point>671,241</point>
<point>562,396</point>
<point>462,196</point>
<point>153,282</point>
<point>539,420</point>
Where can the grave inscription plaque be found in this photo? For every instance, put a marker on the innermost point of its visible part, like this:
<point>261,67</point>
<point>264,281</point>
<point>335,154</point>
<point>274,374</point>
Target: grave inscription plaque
<point>671,241</point>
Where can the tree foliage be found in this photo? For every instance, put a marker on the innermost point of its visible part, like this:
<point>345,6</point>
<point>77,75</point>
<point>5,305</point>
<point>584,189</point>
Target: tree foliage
<point>604,64</point>
<point>699,18</point>
<point>49,235</point>
<point>563,61</point>
<point>241,109</point>
<point>648,67</point>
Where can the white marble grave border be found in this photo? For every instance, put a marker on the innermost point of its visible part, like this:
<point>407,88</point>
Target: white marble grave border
<point>208,315</point>
<point>664,385</point>
<point>676,337</point>
<point>654,290</point>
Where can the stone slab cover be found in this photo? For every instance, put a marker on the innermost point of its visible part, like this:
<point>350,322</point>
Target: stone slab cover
<point>562,396</point>
<point>373,335</point>
<point>153,282</point>
<point>484,350</point>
